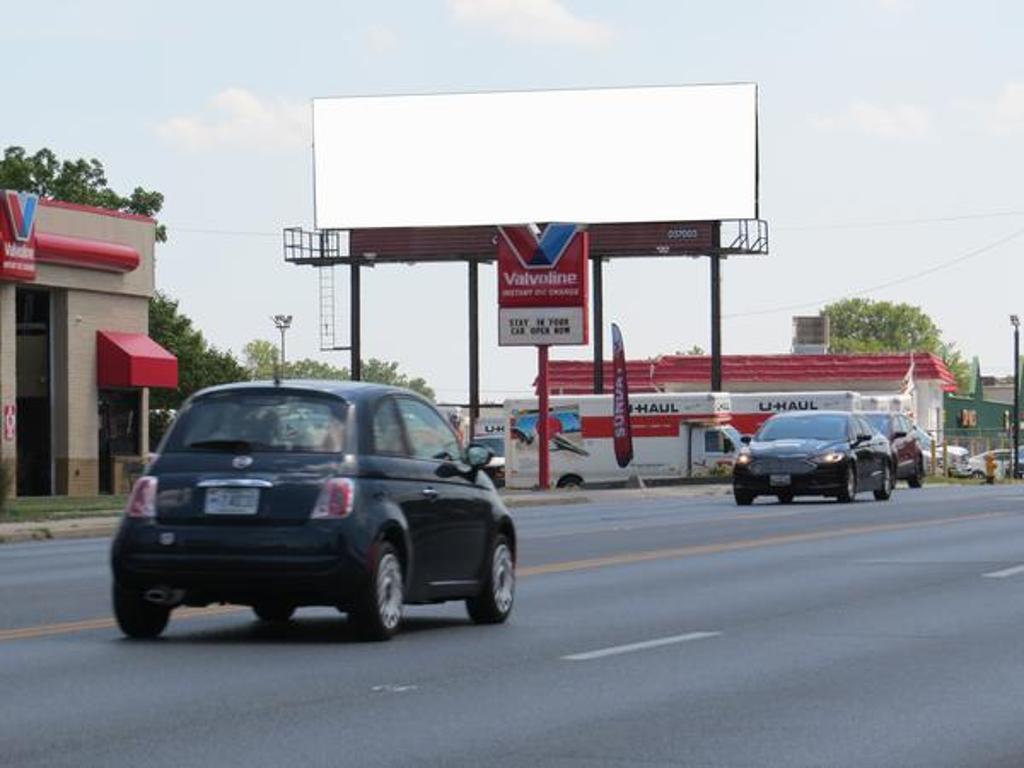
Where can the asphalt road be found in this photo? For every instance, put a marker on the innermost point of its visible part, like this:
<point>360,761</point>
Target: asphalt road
<point>682,632</point>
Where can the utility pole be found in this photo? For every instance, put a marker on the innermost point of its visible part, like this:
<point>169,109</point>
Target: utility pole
<point>1015,322</point>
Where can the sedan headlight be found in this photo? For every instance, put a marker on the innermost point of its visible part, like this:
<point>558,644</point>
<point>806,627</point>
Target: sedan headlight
<point>743,459</point>
<point>832,457</point>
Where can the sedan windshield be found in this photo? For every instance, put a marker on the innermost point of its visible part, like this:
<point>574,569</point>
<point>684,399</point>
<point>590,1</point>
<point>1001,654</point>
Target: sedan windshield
<point>259,421</point>
<point>878,421</point>
<point>809,427</point>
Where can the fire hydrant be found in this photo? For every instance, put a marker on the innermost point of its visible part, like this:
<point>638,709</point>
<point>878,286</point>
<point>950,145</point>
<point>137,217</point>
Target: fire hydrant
<point>990,467</point>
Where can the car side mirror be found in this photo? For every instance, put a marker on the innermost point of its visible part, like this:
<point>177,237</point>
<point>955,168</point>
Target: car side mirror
<point>861,439</point>
<point>897,435</point>
<point>478,456</point>
<point>745,439</point>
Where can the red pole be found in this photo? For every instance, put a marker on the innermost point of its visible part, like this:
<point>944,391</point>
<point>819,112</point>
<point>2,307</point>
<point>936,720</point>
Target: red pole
<point>543,435</point>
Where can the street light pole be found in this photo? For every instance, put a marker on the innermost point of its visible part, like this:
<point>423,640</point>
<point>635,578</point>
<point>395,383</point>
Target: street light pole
<point>1015,322</point>
<point>282,323</point>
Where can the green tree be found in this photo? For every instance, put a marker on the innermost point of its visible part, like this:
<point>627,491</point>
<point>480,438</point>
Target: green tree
<point>74,181</point>
<point>261,359</point>
<point>867,326</point>
<point>199,364</point>
<point>863,325</point>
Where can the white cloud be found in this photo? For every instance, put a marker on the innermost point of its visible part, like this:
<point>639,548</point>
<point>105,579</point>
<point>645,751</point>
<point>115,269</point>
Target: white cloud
<point>897,121</point>
<point>1005,115</point>
<point>534,21</point>
<point>380,39</point>
<point>236,117</point>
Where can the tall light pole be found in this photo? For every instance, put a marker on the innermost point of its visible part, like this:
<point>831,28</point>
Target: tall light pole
<point>1015,322</point>
<point>282,323</point>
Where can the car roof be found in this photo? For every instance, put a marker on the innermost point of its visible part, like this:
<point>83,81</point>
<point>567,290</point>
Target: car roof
<point>353,391</point>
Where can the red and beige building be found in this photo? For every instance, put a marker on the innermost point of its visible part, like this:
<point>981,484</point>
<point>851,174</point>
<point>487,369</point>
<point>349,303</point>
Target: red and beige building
<point>76,363</point>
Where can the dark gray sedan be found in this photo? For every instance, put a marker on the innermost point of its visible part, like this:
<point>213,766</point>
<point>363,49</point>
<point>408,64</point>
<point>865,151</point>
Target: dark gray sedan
<point>277,496</point>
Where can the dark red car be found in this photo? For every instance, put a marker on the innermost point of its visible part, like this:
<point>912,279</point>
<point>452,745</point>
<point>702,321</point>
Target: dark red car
<point>907,454</point>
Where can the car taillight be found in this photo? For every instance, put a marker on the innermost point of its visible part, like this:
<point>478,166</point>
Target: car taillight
<point>142,502</point>
<point>336,499</point>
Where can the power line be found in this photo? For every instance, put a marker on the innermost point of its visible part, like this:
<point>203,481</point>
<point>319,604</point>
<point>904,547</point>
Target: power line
<point>900,222</point>
<point>801,228</point>
<point>898,281</point>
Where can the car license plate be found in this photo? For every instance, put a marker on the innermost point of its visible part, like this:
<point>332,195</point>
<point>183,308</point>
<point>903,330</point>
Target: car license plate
<point>232,501</point>
<point>779,480</point>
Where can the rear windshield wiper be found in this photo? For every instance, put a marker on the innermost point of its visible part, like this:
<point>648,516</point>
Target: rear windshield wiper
<point>239,446</point>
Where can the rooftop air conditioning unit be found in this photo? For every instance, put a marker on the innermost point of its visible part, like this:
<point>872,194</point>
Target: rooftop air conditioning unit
<point>810,335</point>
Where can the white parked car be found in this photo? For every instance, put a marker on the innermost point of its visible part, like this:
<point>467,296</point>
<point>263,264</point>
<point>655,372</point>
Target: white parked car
<point>976,464</point>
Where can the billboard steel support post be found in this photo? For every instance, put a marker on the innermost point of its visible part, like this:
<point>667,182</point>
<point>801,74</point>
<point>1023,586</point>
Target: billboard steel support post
<point>474,347</point>
<point>356,342</point>
<point>598,298</point>
<point>716,308</point>
<point>543,428</point>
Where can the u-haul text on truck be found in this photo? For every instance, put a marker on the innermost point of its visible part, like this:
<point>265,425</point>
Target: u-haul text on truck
<point>752,409</point>
<point>671,437</point>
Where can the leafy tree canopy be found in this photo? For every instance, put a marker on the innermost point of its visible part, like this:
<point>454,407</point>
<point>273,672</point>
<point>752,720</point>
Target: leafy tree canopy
<point>261,360</point>
<point>200,365</point>
<point>74,181</point>
<point>867,326</point>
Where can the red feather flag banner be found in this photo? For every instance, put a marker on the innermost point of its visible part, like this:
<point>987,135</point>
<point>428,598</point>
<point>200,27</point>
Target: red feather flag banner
<point>622,429</point>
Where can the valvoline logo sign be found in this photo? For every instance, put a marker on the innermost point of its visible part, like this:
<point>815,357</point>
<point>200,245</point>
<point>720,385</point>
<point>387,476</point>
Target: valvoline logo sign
<point>542,268</point>
<point>17,235</point>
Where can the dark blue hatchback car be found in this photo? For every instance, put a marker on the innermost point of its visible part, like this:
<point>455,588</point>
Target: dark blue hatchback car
<point>341,494</point>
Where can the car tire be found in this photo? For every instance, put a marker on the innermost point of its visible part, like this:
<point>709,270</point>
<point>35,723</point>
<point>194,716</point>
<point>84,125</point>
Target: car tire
<point>978,475</point>
<point>888,483</point>
<point>274,613</point>
<point>785,498</point>
<point>378,611</point>
<point>570,481</point>
<point>137,617</point>
<point>743,498</point>
<point>916,480</point>
<point>494,603</point>
<point>849,491</point>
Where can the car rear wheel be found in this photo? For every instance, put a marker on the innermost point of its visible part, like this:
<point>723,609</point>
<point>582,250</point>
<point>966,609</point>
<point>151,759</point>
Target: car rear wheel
<point>884,492</point>
<point>916,480</point>
<point>570,481</point>
<point>137,617</point>
<point>378,612</point>
<point>743,498</point>
<point>849,491</point>
<point>494,603</point>
<point>274,613</point>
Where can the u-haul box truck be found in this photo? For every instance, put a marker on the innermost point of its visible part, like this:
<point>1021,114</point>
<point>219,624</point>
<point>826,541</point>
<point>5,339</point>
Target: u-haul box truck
<point>671,437</point>
<point>893,403</point>
<point>752,409</point>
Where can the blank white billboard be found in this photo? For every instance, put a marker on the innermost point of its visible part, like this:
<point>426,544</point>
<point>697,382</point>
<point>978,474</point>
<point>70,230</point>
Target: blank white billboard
<point>686,153</point>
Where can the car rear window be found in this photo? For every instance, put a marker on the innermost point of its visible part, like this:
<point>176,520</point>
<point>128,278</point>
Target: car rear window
<point>260,421</point>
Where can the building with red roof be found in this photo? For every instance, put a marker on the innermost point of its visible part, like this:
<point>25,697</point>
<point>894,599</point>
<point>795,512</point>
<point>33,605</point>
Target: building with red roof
<point>867,374</point>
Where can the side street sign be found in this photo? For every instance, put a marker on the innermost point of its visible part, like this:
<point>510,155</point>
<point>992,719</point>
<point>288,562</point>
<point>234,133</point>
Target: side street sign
<point>542,285</point>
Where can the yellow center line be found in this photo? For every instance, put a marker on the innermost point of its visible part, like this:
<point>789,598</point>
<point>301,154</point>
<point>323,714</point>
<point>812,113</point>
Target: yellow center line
<point>626,558</point>
<point>45,630</point>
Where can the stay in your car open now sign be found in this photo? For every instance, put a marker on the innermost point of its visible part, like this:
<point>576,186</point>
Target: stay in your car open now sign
<point>542,285</point>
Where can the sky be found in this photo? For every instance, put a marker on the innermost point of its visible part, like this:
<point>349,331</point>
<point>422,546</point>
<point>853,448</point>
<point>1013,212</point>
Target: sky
<point>891,146</point>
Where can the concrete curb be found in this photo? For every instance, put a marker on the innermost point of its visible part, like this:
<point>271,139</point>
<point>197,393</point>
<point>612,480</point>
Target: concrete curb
<point>82,528</point>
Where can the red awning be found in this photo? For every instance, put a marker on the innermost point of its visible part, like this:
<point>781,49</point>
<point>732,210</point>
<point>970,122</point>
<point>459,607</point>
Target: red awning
<point>133,360</point>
